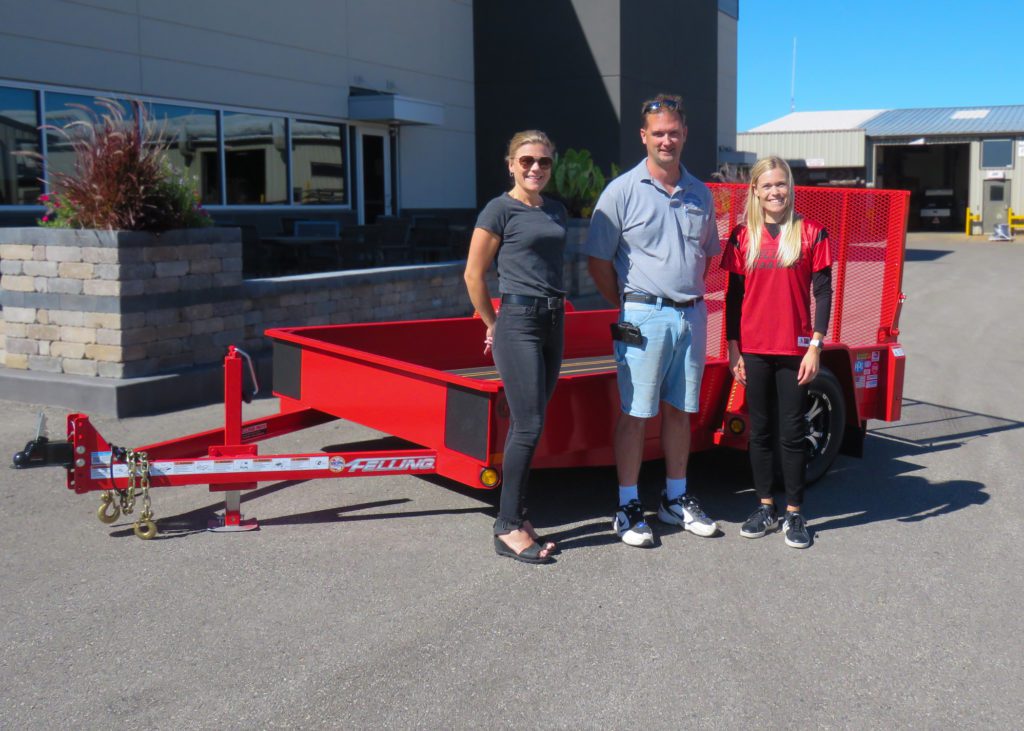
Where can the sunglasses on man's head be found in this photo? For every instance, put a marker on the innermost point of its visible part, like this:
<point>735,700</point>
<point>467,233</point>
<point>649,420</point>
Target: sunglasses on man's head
<point>656,106</point>
<point>526,162</point>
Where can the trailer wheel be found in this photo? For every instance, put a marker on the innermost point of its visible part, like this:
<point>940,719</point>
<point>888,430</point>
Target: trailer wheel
<point>826,422</point>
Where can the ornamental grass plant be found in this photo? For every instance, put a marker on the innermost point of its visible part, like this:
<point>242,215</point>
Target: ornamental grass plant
<point>121,178</point>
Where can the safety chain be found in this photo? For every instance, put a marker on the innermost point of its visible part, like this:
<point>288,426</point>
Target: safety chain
<point>146,518</point>
<point>115,502</point>
<point>128,494</point>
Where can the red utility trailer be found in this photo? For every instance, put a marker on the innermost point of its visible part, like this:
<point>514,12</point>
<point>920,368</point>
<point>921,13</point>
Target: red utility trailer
<point>428,382</point>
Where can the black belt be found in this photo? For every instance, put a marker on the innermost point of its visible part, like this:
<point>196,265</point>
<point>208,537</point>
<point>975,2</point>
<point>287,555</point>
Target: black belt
<point>550,303</point>
<point>650,299</point>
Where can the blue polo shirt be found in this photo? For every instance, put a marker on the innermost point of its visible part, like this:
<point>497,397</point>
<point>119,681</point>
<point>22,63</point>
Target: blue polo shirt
<point>659,243</point>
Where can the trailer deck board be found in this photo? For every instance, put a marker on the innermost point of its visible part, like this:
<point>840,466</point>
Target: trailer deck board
<point>570,367</point>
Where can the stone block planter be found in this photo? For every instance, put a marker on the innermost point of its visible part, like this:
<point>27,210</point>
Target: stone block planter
<point>116,304</point>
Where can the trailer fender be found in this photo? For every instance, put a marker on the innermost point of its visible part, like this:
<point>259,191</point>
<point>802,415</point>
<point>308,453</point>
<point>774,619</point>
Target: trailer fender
<point>837,360</point>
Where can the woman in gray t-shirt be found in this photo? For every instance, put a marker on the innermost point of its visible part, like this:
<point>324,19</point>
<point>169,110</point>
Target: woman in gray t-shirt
<point>525,232</point>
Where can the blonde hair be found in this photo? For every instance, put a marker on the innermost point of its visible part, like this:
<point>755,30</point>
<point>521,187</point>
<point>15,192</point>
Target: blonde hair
<point>528,137</point>
<point>792,225</point>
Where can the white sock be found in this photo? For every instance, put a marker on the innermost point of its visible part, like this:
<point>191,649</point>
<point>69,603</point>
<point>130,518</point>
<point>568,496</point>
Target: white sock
<point>627,493</point>
<point>675,488</point>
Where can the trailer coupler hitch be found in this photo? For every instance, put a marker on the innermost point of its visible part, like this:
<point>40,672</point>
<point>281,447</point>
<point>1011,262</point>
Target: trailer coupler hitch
<point>41,452</point>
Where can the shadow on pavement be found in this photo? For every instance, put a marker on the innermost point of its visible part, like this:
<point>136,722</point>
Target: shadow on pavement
<point>876,488</point>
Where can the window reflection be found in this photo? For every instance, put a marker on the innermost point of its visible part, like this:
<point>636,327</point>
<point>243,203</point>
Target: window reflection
<point>190,138</point>
<point>61,110</point>
<point>318,163</point>
<point>256,149</point>
<point>19,122</point>
<point>255,157</point>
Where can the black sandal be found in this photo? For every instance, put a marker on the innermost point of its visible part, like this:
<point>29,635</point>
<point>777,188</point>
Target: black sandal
<point>530,554</point>
<point>543,542</point>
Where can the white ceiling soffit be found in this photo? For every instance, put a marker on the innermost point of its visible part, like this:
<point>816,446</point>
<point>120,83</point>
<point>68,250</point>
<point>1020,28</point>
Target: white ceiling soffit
<point>395,109</point>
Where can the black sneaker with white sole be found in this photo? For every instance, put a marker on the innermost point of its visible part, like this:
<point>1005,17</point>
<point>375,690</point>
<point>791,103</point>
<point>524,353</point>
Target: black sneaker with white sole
<point>795,531</point>
<point>761,521</point>
<point>686,511</point>
<point>630,526</point>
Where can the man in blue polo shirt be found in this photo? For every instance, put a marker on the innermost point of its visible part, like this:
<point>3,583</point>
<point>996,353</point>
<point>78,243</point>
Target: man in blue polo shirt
<point>652,238</point>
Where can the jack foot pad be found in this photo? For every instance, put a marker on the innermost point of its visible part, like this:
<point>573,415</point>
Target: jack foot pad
<point>217,525</point>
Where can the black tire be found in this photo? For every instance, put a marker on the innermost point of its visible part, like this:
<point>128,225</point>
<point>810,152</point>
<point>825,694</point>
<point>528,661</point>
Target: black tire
<point>826,423</point>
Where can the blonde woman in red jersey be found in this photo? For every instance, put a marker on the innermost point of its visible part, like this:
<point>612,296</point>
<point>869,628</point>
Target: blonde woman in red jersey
<point>774,259</point>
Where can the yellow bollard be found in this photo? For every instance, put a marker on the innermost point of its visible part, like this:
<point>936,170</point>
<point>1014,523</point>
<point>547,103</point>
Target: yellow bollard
<point>971,218</point>
<point>1014,221</point>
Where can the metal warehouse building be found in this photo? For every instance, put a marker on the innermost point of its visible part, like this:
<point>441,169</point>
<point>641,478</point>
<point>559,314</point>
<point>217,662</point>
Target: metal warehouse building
<point>950,158</point>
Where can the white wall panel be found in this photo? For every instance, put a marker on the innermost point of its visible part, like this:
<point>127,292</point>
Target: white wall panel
<point>26,59</point>
<point>316,25</point>
<point>180,80</point>
<point>431,36</point>
<point>74,25</point>
<point>437,168</point>
<point>172,42</point>
<point>727,81</point>
<point>600,22</point>
<point>122,6</point>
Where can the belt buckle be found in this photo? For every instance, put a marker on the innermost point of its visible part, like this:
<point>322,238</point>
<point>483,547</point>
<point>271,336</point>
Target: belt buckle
<point>554,303</point>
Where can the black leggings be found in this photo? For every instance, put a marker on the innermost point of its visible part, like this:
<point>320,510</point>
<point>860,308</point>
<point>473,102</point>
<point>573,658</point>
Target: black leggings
<point>528,354</point>
<point>776,405</point>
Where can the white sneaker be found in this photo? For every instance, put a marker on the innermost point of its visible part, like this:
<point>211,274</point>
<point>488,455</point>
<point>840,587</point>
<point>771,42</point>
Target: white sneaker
<point>686,511</point>
<point>631,527</point>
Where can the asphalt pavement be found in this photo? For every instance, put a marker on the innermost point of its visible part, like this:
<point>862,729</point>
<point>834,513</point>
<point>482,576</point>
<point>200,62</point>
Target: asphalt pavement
<point>379,602</point>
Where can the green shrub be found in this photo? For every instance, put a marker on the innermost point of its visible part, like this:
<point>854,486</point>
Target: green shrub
<point>577,181</point>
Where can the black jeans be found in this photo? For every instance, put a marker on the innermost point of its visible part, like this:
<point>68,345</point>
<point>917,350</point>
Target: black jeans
<point>776,405</point>
<point>528,354</point>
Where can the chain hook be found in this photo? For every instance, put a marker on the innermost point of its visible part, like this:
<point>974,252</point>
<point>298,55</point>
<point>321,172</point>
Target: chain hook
<point>145,528</point>
<point>108,511</point>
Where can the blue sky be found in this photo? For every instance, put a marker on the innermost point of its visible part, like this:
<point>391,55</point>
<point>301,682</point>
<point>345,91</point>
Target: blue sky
<point>869,54</point>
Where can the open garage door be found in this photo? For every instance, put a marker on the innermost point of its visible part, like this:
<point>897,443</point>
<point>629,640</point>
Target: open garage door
<point>937,177</point>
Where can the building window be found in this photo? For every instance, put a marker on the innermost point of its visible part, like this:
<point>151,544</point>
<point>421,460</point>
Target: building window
<point>190,137</point>
<point>318,163</point>
<point>997,153</point>
<point>255,159</point>
<point>19,133</point>
<point>63,109</point>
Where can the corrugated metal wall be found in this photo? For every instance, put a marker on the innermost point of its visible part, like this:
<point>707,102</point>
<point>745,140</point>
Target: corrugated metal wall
<point>836,149</point>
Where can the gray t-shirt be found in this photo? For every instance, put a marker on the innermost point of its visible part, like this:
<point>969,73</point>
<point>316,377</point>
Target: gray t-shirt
<point>532,245</point>
<point>659,242</point>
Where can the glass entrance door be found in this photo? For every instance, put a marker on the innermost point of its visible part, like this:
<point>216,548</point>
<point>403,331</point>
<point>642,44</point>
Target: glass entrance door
<point>374,175</point>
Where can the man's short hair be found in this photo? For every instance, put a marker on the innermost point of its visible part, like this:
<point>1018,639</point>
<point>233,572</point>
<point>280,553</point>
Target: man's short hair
<point>663,103</point>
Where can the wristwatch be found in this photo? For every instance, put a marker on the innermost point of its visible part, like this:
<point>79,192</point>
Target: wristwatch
<point>816,343</point>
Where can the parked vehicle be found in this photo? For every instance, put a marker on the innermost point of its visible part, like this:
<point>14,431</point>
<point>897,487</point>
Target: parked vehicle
<point>937,210</point>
